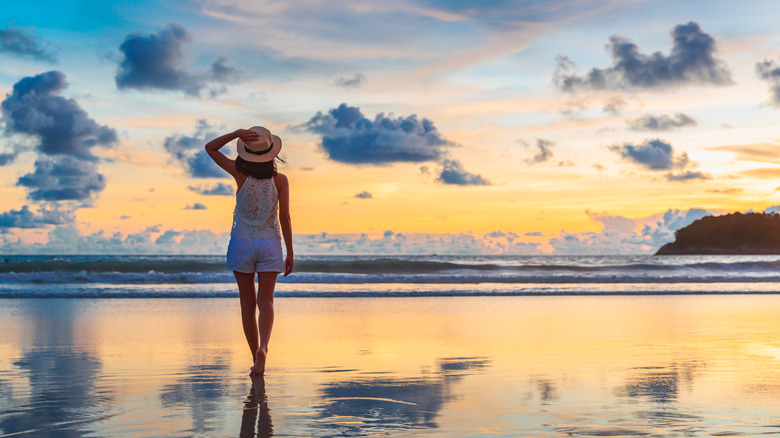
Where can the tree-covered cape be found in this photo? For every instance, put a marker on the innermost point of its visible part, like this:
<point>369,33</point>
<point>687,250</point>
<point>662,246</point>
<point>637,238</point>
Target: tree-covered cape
<point>735,233</point>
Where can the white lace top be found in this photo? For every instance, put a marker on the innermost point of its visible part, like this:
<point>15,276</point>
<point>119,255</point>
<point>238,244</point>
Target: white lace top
<point>256,213</point>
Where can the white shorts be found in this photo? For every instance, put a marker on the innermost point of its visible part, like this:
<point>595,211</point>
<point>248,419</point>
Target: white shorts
<point>258,255</point>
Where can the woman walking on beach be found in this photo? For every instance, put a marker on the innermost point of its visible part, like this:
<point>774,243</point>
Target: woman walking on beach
<point>262,205</point>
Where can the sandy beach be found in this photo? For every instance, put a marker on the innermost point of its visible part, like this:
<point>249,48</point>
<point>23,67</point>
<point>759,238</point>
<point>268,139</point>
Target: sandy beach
<point>461,366</point>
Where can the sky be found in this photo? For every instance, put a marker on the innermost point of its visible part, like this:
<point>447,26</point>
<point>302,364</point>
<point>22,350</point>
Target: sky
<point>408,127</point>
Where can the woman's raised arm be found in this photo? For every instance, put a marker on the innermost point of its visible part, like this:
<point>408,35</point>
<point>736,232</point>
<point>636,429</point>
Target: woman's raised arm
<point>213,147</point>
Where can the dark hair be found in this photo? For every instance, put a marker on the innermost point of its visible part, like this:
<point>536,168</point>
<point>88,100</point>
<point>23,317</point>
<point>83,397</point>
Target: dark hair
<point>257,170</point>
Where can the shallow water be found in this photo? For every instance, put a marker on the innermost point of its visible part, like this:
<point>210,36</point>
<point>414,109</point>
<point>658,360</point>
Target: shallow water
<point>447,366</point>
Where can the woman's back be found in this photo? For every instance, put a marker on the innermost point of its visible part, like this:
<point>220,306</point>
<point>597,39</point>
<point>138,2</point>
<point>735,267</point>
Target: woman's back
<point>256,212</point>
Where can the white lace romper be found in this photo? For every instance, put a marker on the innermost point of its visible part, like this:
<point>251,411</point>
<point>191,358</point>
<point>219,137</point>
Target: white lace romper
<point>255,240</point>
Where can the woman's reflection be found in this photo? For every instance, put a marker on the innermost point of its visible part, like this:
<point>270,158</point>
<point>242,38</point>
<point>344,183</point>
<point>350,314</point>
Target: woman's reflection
<point>256,412</point>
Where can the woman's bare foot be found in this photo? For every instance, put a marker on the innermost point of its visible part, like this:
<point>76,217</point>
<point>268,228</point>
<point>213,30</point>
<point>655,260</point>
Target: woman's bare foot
<point>259,367</point>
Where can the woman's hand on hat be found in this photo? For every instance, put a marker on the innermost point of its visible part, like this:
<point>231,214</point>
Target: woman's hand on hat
<point>247,135</point>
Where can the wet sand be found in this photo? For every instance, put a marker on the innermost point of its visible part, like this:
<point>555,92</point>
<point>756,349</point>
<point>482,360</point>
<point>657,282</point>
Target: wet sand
<point>468,366</point>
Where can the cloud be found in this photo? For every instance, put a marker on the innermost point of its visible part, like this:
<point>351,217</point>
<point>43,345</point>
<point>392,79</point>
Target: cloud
<point>661,123</point>
<point>544,152</point>
<point>66,168</point>
<point>659,155</point>
<point>35,108</point>
<point>26,218</point>
<point>155,62</point>
<point>349,137</point>
<point>761,152</point>
<point>364,195</point>
<point>621,235</point>
<point>614,106</point>
<point>7,158</point>
<point>773,209</point>
<point>195,206</point>
<point>769,71</point>
<point>63,179</point>
<point>188,151</point>
<point>686,176</point>
<point>691,61</point>
<point>219,189</point>
<point>453,173</point>
<point>653,155</point>
<point>612,223</point>
<point>15,41</point>
<point>355,81</point>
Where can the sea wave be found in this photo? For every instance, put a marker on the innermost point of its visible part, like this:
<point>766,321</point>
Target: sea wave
<point>460,277</point>
<point>385,290</point>
<point>162,270</point>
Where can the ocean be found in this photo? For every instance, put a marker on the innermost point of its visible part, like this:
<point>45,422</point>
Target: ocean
<point>177,276</point>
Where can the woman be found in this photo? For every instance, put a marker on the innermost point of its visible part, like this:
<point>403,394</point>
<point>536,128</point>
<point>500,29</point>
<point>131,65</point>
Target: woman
<point>262,205</point>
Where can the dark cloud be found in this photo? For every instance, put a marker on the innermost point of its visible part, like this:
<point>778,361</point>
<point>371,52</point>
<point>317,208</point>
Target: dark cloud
<point>7,158</point>
<point>63,179</point>
<point>35,108</point>
<point>355,81</point>
<point>188,151</point>
<point>691,61</point>
<point>349,137</point>
<point>15,41</point>
<point>452,172</point>
<point>364,195</point>
<point>769,71</point>
<point>652,155</point>
<point>156,61</point>
<point>195,206</point>
<point>26,218</point>
<point>219,189</point>
<point>544,152</point>
<point>659,155</point>
<point>66,168</point>
<point>661,123</point>
<point>688,175</point>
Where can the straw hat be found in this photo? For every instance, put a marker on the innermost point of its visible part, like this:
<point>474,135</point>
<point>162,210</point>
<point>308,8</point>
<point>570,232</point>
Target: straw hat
<point>265,149</point>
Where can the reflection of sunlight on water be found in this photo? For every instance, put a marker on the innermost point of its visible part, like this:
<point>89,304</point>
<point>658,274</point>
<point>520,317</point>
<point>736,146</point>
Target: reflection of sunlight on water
<point>589,366</point>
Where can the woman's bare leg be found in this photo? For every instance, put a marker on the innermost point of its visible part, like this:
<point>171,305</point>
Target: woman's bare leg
<point>246,291</point>
<point>266,283</point>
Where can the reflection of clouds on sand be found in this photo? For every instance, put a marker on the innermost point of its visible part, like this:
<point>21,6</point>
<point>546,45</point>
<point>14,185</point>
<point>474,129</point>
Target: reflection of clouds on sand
<point>660,385</point>
<point>547,390</point>
<point>61,397</point>
<point>376,405</point>
<point>62,394</point>
<point>200,390</point>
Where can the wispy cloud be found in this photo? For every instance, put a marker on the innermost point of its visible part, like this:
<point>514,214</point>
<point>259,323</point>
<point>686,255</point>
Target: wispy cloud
<point>15,41</point>
<point>218,189</point>
<point>544,151</point>
<point>663,122</point>
<point>188,151</point>
<point>355,81</point>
